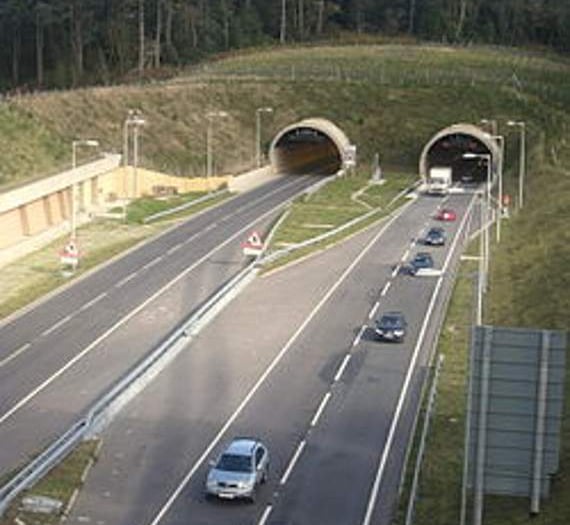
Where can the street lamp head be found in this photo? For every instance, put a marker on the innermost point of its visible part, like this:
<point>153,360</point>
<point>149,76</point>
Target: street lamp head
<point>214,114</point>
<point>265,110</point>
<point>515,123</point>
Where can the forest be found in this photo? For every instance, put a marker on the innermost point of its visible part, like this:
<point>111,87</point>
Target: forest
<point>70,43</point>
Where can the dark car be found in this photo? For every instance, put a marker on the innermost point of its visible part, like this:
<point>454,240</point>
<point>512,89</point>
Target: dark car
<point>421,264</point>
<point>435,237</point>
<point>391,327</point>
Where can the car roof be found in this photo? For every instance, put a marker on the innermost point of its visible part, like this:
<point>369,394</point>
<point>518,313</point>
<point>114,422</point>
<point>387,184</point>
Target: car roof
<point>393,314</point>
<point>242,446</point>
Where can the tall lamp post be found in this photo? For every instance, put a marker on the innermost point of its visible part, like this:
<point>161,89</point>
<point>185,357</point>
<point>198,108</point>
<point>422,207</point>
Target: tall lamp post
<point>209,139</point>
<point>484,238</point>
<point>74,145</point>
<point>501,140</point>
<point>492,123</point>
<point>134,120</point>
<point>258,113</point>
<point>522,162</point>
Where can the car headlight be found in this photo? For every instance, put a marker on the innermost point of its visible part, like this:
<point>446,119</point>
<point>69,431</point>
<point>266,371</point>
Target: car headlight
<point>399,332</point>
<point>244,484</point>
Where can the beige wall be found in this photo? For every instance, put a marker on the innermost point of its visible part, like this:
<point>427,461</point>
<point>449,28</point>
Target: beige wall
<point>120,183</point>
<point>28,212</point>
<point>10,228</point>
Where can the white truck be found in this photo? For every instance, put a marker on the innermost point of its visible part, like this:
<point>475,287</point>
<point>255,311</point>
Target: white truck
<point>439,180</point>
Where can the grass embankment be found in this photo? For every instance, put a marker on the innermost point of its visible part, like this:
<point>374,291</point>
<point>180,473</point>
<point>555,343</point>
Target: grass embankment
<point>30,278</point>
<point>388,99</point>
<point>530,279</point>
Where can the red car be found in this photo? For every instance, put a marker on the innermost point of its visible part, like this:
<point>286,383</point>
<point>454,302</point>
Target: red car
<point>445,214</point>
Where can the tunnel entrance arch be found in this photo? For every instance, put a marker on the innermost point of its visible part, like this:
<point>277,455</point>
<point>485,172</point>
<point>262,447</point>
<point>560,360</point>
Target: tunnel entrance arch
<point>315,146</point>
<point>448,146</point>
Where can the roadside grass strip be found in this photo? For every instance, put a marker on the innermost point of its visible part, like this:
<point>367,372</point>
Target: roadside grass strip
<point>332,205</point>
<point>61,483</point>
<point>26,280</point>
<point>528,287</point>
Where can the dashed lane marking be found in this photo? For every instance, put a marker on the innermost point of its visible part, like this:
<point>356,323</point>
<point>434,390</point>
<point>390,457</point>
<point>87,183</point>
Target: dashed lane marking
<point>374,309</point>
<point>359,335</point>
<point>128,278</point>
<point>57,325</point>
<point>385,289</point>
<point>15,354</point>
<point>319,411</point>
<point>265,515</point>
<point>341,368</point>
<point>293,462</point>
<point>93,301</point>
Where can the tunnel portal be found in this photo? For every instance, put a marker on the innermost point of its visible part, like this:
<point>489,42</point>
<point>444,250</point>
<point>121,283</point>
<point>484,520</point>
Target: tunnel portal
<point>314,146</point>
<point>448,147</point>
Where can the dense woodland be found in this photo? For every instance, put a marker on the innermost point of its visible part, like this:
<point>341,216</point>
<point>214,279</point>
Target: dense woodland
<point>60,43</point>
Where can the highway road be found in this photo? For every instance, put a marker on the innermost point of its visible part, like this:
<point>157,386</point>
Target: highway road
<point>293,361</point>
<point>61,354</point>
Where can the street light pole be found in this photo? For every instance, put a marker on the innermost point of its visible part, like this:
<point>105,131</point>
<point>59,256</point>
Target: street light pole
<point>501,140</point>
<point>74,145</point>
<point>484,247</point>
<point>492,123</point>
<point>135,120</point>
<point>522,161</point>
<point>258,113</point>
<point>209,139</point>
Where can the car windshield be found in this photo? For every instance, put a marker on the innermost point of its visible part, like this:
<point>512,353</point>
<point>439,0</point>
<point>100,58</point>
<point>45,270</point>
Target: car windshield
<point>234,463</point>
<point>391,321</point>
<point>422,260</point>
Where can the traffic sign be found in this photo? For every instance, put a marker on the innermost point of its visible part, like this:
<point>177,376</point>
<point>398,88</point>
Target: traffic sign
<point>253,245</point>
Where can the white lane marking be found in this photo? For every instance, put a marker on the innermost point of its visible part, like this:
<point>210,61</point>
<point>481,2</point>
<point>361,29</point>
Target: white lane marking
<point>93,301</point>
<point>319,411</point>
<point>152,263</point>
<point>57,325</point>
<point>406,385</point>
<point>385,289</point>
<point>175,248</point>
<point>341,368</point>
<point>15,354</point>
<point>374,309</point>
<point>293,462</point>
<point>265,515</point>
<point>359,335</point>
<point>208,450</point>
<point>125,319</point>
<point>405,256</point>
<point>128,278</point>
<point>396,270</point>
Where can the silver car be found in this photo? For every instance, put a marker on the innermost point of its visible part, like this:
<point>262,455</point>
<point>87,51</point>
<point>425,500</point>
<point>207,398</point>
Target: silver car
<point>238,471</point>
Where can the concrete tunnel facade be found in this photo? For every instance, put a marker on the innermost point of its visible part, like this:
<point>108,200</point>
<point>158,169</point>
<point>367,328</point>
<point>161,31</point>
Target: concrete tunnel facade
<point>315,146</point>
<point>447,147</point>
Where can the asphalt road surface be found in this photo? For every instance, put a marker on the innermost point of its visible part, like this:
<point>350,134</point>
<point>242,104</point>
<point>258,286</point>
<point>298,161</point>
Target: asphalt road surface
<point>57,357</point>
<point>294,361</point>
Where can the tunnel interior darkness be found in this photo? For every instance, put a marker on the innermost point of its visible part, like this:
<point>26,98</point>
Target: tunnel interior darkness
<point>304,150</point>
<point>449,151</point>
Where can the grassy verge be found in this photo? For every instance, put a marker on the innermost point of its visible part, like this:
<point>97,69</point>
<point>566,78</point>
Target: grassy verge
<point>28,279</point>
<point>58,484</point>
<point>529,284</point>
<point>339,202</point>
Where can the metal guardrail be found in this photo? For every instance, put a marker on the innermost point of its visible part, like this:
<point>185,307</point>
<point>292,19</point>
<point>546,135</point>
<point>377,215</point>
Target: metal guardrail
<point>104,408</point>
<point>184,206</point>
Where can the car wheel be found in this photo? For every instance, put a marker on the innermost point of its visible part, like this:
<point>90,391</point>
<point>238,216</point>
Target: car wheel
<point>251,498</point>
<point>264,476</point>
